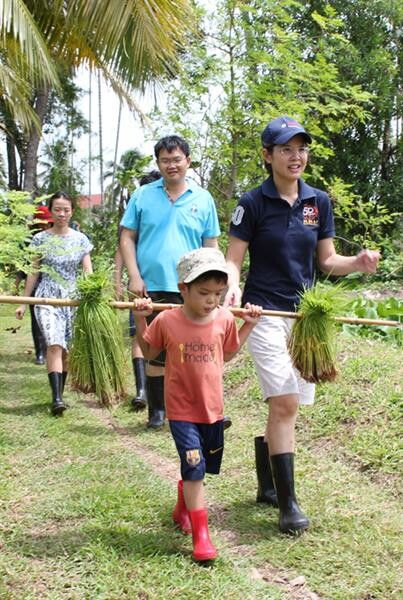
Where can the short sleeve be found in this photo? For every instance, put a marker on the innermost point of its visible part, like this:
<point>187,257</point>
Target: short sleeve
<point>86,244</point>
<point>130,219</point>
<point>154,334</point>
<point>212,227</point>
<point>326,219</point>
<point>243,219</point>
<point>231,341</point>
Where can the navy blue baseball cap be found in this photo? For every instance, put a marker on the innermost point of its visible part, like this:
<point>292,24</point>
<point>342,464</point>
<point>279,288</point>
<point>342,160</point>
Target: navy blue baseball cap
<point>281,130</point>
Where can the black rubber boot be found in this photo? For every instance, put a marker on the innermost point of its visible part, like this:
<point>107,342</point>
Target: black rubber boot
<point>292,519</point>
<point>56,383</point>
<point>266,491</point>
<point>39,340</point>
<point>40,359</point>
<point>64,377</point>
<point>156,405</point>
<point>139,402</point>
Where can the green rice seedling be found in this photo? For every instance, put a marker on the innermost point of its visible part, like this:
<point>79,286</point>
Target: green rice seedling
<point>97,360</point>
<point>312,344</point>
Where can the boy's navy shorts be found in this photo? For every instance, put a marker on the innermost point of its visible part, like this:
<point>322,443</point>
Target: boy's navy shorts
<point>200,447</point>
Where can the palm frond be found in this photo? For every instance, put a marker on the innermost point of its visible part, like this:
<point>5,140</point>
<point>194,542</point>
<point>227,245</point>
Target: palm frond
<point>16,20</point>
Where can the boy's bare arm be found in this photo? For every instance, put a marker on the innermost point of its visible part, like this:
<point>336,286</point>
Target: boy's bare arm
<point>251,318</point>
<point>143,309</point>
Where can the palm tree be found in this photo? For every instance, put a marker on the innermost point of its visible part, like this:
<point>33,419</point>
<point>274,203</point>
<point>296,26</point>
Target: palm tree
<point>125,177</point>
<point>132,43</point>
<point>24,61</point>
<point>58,174</point>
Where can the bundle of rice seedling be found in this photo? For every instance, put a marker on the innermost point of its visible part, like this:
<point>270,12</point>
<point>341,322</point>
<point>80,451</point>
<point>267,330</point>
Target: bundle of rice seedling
<point>97,360</point>
<point>312,344</point>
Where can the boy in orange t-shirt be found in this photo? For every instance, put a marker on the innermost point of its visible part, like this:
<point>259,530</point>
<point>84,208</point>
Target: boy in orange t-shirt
<point>198,338</point>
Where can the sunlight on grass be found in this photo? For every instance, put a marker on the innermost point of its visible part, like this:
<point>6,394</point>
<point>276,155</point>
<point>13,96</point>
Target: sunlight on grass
<point>85,515</point>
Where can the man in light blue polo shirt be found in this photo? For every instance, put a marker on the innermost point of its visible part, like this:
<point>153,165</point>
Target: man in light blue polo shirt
<point>163,221</point>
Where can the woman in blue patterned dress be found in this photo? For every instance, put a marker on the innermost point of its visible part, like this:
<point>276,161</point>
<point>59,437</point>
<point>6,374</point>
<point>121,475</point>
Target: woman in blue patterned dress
<point>61,251</point>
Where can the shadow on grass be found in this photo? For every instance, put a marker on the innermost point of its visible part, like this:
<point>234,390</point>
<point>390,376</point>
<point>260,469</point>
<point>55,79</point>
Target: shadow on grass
<point>100,430</point>
<point>25,410</point>
<point>248,520</point>
<point>20,363</point>
<point>91,430</point>
<point>95,540</point>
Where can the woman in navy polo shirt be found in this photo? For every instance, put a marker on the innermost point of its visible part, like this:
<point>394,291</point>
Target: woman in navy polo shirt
<point>285,225</point>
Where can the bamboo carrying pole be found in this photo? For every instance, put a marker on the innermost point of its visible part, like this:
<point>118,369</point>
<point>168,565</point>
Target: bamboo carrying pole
<point>159,307</point>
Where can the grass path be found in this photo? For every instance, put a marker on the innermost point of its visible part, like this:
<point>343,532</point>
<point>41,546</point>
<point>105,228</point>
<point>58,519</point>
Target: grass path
<point>86,500</point>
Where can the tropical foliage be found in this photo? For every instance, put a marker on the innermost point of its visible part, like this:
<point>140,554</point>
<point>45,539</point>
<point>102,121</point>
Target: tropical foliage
<point>124,177</point>
<point>15,213</point>
<point>131,43</point>
<point>251,62</point>
<point>260,60</point>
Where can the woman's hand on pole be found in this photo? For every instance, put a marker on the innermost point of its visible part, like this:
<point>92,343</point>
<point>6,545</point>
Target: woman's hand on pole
<point>20,312</point>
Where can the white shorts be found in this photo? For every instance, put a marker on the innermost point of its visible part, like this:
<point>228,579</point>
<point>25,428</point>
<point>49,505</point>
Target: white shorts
<point>276,373</point>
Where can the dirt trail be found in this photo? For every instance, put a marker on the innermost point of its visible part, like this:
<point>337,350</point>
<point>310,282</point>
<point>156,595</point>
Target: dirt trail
<point>291,584</point>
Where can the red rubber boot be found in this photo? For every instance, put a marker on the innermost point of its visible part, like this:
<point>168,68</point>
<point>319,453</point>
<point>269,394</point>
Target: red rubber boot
<point>203,549</point>
<point>180,513</point>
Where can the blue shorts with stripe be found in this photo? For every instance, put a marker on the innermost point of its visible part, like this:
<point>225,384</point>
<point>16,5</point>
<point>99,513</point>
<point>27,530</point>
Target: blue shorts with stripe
<point>200,447</point>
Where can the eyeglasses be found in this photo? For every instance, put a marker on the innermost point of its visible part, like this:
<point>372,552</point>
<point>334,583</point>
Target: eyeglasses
<point>171,161</point>
<point>288,151</point>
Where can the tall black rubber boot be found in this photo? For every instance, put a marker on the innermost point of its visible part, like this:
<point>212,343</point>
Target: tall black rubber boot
<point>39,340</point>
<point>64,377</point>
<point>139,402</point>
<point>292,519</point>
<point>156,404</point>
<point>56,382</point>
<point>266,492</point>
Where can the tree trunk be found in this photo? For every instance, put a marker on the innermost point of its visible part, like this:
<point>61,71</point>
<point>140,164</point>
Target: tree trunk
<point>31,154</point>
<point>101,150</point>
<point>12,165</point>
<point>386,151</point>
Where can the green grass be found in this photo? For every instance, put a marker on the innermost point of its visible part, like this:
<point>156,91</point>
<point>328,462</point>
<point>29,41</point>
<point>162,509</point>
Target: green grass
<point>86,515</point>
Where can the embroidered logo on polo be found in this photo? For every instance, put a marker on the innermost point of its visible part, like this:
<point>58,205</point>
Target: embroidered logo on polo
<point>237,215</point>
<point>310,214</point>
<point>193,457</point>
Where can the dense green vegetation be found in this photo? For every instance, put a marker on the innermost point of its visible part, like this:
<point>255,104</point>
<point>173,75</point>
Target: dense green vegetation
<point>86,500</point>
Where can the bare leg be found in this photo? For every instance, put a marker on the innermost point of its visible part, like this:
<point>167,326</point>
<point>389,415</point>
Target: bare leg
<point>194,494</point>
<point>54,359</point>
<point>280,428</point>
